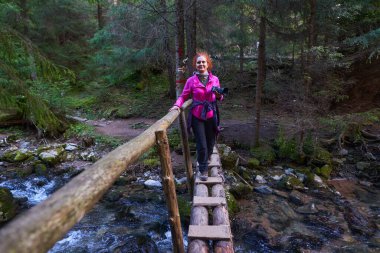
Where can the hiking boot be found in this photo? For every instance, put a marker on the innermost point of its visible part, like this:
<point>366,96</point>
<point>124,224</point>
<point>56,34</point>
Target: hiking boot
<point>204,176</point>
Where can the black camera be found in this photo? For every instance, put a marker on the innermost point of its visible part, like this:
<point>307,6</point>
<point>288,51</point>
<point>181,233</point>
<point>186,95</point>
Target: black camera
<point>223,91</point>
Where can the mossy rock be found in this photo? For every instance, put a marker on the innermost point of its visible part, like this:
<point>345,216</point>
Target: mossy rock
<point>231,203</point>
<point>7,205</point>
<point>265,154</point>
<point>309,180</point>
<point>25,171</point>
<point>53,156</point>
<point>322,156</point>
<point>40,168</point>
<point>290,183</point>
<point>253,163</point>
<point>16,156</point>
<point>240,190</point>
<point>324,171</point>
<point>229,160</point>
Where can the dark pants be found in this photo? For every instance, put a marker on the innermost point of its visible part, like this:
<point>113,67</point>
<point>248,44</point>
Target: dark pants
<point>205,134</point>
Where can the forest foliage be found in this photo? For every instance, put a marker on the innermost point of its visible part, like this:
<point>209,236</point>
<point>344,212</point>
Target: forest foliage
<point>53,52</point>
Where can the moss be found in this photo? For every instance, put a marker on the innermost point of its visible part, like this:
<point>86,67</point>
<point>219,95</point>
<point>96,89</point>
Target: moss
<point>22,155</point>
<point>229,160</point>
<point>264,153</point>
<point>322,156</point>
<point>7,205</point>
<point>151,162</point>
<point>287,148</point>
<point>25,171</point>
<point>184,207</point>
<point>324,171</point>
<point>290,183</point>
<point>40,168</point>
<point>253,163</point>
<point>240,190</point>
<point>231,203</point>
<point>16,156</point>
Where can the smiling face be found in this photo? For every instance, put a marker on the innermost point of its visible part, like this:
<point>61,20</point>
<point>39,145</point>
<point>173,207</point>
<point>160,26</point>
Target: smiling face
<point>201,64</point>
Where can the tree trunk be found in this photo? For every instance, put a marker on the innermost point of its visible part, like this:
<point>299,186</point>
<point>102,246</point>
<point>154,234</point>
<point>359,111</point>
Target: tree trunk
<point>100,15</point>
<point>168,52</point>
<point>191,32</point>
<point>25,30</point>
<point>241,46</point>
<point>180,47</point>
<point>260,76</point>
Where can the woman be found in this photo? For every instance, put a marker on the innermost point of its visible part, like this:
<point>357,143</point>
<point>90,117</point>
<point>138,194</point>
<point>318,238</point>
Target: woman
<point>203,116</point>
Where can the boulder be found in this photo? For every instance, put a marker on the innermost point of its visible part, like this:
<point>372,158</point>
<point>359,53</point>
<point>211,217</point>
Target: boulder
<point>152,184</point>
<point>53,156</point>
<point>7,205</point>
<point>290,183</point>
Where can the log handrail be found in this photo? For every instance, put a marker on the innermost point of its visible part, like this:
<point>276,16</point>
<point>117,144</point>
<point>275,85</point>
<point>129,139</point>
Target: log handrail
<point>39,228</point>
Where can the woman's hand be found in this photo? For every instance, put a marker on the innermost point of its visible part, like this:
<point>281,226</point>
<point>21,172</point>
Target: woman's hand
<point>217,95</point>
<point>174,108</point>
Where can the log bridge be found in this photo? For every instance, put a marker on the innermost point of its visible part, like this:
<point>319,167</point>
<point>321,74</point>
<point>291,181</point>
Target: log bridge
<point>218,230</point>
<point>39,228</point>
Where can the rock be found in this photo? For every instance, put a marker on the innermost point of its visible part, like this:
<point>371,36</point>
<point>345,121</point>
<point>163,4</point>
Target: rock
<point>278,167</point>
<point>53,156</point>
<point>343,152</point>
<point>324,171</point>
<point>16,156</point>
<point>299,198</point>
<point>290,183</point>
<point>365,183</point>
<point>307,209</point>
<point>300,242</point>
<point>318,180</point>
<point>329,226</point>
<point>289,171</point>
<point>280,194</point>
<point>277,177</point>
<point>260,179</point>
<point>370,156</point>
<point>182,180</point>
<point>40,168</point>
<point>358,222</point>
<point>112,196</point>
<point>301,177</point>
<point>264,189</point>
<point>152,184</point>
<point>24,171</point>
<point>229,161</point>
<point>89,156</point>
<point>362,165</point>
<point>71,147</point>
<point>240,190</point>
<point>7,205</point>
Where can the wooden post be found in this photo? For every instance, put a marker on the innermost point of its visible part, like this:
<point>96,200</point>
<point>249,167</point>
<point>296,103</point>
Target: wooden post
<point>186,152</point>
<point>169,189</point>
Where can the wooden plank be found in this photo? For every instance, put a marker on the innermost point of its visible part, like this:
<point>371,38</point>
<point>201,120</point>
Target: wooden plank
<point>208,201</point>
<point>221,232</point>
<point>210,180</point>
<point>215,150</point>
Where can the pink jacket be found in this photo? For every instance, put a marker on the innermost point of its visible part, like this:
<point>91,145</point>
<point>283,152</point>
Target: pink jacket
<point>200,93</point>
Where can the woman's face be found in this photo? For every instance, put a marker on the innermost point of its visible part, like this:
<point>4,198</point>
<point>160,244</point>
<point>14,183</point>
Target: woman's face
<point>201,64</point>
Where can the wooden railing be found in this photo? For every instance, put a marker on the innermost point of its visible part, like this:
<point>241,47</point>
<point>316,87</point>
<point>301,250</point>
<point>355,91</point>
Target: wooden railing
<point>38,229</point>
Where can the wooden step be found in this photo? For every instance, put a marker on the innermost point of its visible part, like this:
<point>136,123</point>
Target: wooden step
<point>208,201</point>
<point>210,180</point>
<point>221,232</point>
<point>215,150</point>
